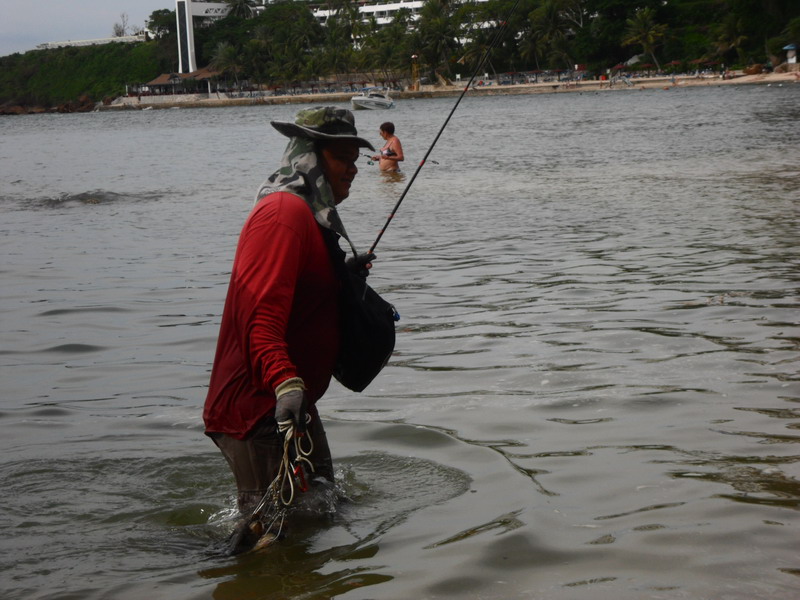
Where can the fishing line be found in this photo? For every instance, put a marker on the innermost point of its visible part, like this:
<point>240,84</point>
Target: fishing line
<point>479,66</point>
<point>279,497</point>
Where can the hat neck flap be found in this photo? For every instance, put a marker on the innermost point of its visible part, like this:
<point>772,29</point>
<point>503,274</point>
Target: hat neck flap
<point>300,173</point>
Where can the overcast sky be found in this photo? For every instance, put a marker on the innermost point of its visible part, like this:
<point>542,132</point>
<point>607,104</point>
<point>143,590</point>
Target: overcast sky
<point>26,23</point>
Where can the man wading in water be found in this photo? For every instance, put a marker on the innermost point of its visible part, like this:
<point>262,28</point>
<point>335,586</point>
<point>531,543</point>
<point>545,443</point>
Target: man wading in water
<point>279,336</point>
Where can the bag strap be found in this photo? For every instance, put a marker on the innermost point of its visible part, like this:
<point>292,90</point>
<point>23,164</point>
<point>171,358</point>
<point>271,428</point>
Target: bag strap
<point>337,255</point>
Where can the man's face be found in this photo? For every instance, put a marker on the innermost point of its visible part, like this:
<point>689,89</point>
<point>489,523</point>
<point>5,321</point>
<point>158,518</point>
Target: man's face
<point>339,166</point>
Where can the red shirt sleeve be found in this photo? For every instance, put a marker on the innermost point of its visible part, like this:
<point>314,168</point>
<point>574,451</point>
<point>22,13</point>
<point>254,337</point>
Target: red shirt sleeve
<point>264,278</point>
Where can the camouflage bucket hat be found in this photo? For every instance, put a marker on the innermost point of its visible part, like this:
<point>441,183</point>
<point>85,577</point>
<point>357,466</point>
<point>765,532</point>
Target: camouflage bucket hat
<point>323,123</point>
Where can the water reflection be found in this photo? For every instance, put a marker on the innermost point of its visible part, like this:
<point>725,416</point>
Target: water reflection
<point>392,178</point>
<point>279,573</point>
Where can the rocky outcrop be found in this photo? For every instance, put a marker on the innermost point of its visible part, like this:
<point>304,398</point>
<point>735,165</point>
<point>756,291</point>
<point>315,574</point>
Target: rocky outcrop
<point>13,109</point>
<point>82,104</point>
<point>753,70</point>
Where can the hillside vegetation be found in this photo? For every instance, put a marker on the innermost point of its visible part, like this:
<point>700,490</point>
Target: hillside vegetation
<point>52,77</point>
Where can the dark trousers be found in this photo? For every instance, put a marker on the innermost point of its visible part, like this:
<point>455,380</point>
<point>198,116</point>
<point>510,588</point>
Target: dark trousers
<point>255,460</point>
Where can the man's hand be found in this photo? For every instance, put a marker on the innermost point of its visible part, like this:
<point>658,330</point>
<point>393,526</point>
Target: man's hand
<point>361,264</point>
<point>291,403</point>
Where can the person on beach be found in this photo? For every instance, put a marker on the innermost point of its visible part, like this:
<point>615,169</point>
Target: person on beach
<point>391,155</point>
<point>279,335</point>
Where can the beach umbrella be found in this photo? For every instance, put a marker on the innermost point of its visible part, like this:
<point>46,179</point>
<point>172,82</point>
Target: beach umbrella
<point>618,66</point>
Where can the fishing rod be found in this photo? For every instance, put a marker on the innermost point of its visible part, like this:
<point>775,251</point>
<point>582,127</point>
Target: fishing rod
<point>371,160</point>
<point>479,66</point>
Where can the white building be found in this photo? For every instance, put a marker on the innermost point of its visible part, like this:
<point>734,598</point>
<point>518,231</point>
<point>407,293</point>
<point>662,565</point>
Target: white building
<point>383,13</point>
<point>124,39</point>
<point>185,11</point>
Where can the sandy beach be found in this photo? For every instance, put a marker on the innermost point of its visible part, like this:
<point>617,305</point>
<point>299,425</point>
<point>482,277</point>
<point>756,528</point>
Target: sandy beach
<point>551,87</point>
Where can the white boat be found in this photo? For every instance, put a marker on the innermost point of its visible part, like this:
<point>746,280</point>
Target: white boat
<point>372,98</point>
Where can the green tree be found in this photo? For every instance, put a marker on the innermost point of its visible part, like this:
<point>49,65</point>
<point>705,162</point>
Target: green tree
<point>729,39</point>
<point>495,27</point>
<point>342,31</point>
<point>227,60</point>
<point>336,54</point>
<point>532,48</point>
<point>438,32</point>
<point>231,29</point>
<point>284,37</point>
<point>388,49</point>
<point>792,31</point>
<point>241,8</point>
<point>51,77</point>
<point>644,31</point>
<point>162,23</point>
<point>550,28</point>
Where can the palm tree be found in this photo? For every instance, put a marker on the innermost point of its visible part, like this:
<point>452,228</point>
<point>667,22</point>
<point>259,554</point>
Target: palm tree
<point>644,31</point>
<point>240,8</point>
<point>337,54</point>
<point>386,50</point>
<point>226,59</point>
<point>550,29</point>
<point>493,31</point>
<point>258,55</point>
<point>438,31</point>
<point>729,37</point>
<point>531,47</point>
<point>337,50</point>
<point>792,31</point>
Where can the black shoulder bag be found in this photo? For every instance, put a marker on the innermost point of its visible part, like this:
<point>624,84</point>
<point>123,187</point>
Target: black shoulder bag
<point>366,324</point>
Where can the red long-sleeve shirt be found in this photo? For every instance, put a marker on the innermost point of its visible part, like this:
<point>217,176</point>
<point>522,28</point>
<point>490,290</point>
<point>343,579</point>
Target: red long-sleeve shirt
<point>280,318</point>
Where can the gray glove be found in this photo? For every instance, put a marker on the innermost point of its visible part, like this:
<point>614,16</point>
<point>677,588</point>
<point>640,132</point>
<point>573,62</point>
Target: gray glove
<point>358,264</point>
<point>291,406</point>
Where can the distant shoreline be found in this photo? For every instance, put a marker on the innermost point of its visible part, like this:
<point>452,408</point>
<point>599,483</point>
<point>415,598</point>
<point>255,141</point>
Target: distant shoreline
<point>666,83</point>
<point>84,104</point>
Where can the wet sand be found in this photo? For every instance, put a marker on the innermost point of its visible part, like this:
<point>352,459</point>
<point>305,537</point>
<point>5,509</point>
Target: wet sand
<point>551,87</point>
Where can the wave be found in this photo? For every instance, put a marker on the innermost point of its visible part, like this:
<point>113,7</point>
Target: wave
<point>88,198</point>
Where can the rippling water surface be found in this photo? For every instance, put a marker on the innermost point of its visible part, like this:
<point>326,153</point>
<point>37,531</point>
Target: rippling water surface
<point>595,387</point>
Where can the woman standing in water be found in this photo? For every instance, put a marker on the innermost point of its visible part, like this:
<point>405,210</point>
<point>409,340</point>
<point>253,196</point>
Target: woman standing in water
<point>392,152</point>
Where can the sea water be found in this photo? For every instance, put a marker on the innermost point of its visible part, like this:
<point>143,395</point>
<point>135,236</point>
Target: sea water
<point>594,392</point>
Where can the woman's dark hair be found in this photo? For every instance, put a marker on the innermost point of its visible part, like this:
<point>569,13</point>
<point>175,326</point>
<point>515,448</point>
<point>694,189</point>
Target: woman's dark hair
<point>388,127</point>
